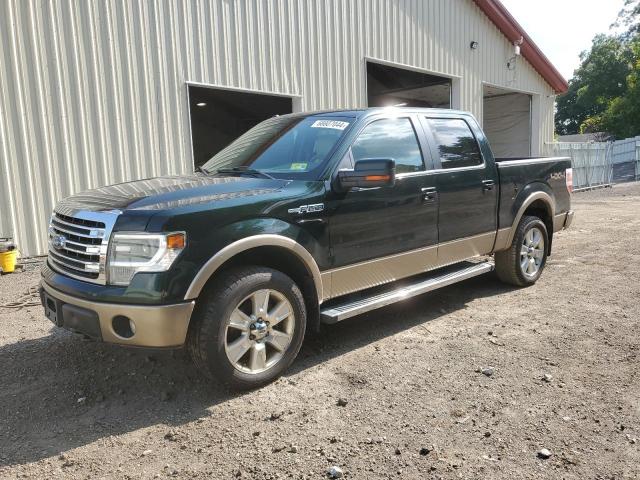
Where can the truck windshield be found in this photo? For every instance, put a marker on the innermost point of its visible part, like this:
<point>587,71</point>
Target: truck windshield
<point>292,147</point>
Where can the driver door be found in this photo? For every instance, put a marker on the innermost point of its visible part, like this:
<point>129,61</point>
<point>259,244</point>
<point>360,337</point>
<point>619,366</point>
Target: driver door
<point>381,234</point>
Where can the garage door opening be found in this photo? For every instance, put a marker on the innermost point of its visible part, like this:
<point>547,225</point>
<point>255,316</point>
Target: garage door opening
<point>389,86</point>
<point>507,122</point>
<point>219,116</point>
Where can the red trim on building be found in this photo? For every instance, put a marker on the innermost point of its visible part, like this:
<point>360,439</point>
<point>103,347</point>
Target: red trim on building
<point>500,16</point>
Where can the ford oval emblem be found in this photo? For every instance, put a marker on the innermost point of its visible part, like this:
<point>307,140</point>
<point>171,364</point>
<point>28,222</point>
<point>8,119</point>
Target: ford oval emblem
<point>58,241</point>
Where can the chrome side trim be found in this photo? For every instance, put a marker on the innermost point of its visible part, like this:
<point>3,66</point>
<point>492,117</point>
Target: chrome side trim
<point>531,161</point>
<point>244,244</point>
<point>378,271</point>
<point>503,241</point>
<point>350,309</point>
<point>155,325</point>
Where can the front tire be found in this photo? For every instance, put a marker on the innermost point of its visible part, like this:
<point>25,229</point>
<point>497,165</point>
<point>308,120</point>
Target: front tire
<point>248,327</point>
<point>522,264</point>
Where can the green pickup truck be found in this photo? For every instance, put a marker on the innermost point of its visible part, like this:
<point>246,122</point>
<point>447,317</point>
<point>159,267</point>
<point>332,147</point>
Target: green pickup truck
<point>305,219</point>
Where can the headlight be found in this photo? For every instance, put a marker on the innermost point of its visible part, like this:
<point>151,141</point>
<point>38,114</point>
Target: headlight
<point>130,253</point>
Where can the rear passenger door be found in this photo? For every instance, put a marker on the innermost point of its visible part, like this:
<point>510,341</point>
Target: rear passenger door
<point>467,188</point>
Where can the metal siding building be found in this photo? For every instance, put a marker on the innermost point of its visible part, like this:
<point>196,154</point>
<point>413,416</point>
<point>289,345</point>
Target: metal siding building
<point>95,93</point>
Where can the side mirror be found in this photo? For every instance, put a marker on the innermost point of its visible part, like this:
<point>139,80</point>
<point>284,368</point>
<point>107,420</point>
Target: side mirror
<point>367,174</point>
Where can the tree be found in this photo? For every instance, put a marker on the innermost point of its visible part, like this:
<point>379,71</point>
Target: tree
<point>604,92</point>
<point>599,79</point>
<point>629,17</point>
<point>622,116</point>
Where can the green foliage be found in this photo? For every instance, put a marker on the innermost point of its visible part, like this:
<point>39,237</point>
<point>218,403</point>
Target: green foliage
<point>622,116</point>
<point>629,17</point>
<point>604,93</point>
<point>600,78</point>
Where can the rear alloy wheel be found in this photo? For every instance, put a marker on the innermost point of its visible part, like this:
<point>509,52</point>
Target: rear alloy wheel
<point>248,327</point>
<point>523,262</point>
<point>532,252</point>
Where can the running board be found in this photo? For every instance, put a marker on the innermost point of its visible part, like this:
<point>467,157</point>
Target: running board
<point>352,307</point>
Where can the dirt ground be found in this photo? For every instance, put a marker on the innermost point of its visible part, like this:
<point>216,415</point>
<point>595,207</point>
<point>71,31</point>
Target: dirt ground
<point>416,406</point>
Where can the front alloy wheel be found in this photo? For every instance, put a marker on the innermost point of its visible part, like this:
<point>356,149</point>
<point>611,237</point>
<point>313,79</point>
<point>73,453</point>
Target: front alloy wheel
<point>248,326</point>
<point>259,331</point>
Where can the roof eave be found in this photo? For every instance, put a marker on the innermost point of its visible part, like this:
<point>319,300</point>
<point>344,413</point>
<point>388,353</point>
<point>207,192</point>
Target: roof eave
<point>510,28</point>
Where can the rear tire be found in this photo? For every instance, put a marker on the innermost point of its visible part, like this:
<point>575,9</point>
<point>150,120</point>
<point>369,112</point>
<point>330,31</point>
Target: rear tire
<point>522,263</point>
<point>248,327</point>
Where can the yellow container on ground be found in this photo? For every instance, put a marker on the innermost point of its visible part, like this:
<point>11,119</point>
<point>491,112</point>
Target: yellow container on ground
<point>8,261</point>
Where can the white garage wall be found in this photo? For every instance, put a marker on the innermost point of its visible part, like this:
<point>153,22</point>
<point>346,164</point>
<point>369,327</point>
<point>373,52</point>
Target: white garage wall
<point>93,93</point>
<point>507,124</point>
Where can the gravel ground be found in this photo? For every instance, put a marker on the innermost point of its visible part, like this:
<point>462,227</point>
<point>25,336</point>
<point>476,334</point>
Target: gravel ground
<point>398,393</point>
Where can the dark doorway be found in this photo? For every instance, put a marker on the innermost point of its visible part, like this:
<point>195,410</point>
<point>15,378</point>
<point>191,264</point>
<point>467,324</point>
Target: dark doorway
<point>219,116</point>
<point>388,86</point>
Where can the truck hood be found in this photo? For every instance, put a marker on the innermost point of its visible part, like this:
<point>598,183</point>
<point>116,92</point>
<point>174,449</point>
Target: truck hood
<point>168,192</point>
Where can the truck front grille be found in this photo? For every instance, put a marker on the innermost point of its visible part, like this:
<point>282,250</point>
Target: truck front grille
<point>78,246</point>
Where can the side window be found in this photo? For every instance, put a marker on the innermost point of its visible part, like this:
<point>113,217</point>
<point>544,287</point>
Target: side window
<point>392,138</point>
<point>456,143</point>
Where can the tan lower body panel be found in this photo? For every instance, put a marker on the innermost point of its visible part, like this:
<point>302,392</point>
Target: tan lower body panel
<point>458,250</point>
<point>502,239</point>
<point>505,235</point>
<point>155,325</point>
<point>359,276</point>
<point>562,220</point>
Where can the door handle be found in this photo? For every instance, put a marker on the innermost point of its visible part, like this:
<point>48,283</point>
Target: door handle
<point>487,185</point>
<point>429,194</point>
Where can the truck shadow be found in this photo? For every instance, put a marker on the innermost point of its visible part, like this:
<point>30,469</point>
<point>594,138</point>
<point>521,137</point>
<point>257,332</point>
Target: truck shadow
<point>60,392</point>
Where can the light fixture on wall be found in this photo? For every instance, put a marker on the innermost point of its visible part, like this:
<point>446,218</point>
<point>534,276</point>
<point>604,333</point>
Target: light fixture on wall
<point>201,104</point>
<point>516,46</point>
<point>474,45</point>
<point>511,63</point>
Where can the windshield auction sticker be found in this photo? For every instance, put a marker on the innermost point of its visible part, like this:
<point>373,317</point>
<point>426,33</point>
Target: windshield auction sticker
<point>330,124</point>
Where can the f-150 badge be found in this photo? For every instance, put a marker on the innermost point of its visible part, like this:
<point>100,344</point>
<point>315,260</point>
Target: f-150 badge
<point>316,207</point>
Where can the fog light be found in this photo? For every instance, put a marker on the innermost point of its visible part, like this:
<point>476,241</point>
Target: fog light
<point>123,326</point>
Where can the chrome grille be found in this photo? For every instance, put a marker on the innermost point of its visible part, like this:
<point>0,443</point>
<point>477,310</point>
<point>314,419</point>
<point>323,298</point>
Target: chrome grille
<point>78,244</point>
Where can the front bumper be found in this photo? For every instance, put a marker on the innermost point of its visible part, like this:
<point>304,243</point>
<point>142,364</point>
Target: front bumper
<point>151,325</point>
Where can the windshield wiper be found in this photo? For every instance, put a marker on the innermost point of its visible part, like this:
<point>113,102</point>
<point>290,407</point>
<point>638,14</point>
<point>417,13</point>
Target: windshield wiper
<point>248,171</point>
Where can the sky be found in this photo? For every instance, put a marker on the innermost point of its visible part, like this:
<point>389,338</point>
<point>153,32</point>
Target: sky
<point>564,28</point>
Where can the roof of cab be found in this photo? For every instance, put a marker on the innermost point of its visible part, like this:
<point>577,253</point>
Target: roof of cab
<point>365,112</point>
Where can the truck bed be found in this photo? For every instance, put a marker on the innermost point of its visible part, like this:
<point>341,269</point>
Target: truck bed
<point>520,177</point>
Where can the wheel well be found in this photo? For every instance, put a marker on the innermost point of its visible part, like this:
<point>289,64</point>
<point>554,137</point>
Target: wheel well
<point>285,261</point>
<point>540,209</point>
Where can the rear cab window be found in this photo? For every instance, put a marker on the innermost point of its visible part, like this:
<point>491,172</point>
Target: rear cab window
<point>455,143</point>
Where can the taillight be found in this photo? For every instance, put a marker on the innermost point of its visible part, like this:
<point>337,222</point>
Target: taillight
<point>568,175</point>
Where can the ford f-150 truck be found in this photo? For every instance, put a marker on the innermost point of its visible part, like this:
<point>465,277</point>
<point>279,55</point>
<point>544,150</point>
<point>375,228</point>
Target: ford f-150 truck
<point>305,219</point>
